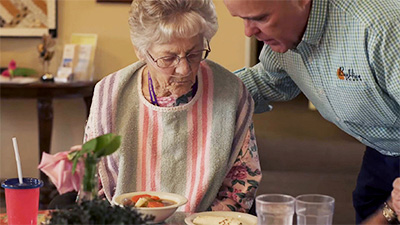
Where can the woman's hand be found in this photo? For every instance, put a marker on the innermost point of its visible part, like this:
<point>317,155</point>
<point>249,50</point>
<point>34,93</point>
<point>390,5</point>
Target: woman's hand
<point>75,148</point>
<point>396,197</point>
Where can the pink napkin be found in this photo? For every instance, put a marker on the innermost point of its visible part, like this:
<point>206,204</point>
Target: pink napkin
<point>59,169</point>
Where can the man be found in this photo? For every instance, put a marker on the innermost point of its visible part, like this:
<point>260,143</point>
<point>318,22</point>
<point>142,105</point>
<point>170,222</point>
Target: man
<point>344,55</point>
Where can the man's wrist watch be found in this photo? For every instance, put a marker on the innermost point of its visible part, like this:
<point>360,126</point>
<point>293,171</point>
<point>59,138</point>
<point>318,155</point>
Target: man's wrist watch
<point>389,214</point>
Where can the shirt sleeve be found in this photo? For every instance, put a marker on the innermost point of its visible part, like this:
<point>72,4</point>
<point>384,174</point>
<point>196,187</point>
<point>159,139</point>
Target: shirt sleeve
<point>267,81</point>
<point>238,190</point>
<point>384,53</point>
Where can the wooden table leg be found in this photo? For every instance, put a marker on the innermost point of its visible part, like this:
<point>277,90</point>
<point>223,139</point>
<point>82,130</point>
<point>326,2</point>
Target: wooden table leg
<point>45,116</point>
<point>88,103</point>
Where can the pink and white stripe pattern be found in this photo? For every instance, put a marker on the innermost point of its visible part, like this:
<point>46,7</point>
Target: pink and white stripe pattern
<point>98,124</point>
<point>198,148</point>
<point>148,168</point>
<point>199,121</point>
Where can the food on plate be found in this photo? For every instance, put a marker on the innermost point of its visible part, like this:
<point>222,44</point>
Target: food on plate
<point>145,200</point>
<point>216,220</point>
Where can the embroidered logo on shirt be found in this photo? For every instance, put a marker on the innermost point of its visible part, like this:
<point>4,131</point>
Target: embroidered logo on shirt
<point>350,75</point>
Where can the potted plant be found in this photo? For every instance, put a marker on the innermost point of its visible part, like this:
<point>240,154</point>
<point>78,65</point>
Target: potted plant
<point>89,209</point>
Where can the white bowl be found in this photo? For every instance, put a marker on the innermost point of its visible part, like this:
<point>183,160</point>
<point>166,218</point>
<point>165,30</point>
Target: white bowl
<point>160,213</point>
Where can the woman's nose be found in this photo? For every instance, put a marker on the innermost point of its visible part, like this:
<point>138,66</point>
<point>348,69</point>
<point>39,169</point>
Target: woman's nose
<point>183,67</point>
<point>249,28</point>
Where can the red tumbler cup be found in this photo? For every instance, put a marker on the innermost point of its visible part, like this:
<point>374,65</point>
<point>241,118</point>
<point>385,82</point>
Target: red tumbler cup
<point>22,200</point>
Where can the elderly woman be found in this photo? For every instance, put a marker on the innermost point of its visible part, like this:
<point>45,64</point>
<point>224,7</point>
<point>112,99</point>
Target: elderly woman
<point>185,121</point>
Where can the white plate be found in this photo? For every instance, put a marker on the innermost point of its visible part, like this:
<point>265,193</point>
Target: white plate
<point>245,218</point>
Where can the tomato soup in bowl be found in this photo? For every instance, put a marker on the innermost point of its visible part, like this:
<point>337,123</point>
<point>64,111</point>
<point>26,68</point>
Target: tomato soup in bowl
<point>161,205</point>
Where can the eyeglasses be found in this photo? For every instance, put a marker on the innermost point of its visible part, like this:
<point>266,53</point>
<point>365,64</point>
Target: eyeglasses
<point>174,60</point>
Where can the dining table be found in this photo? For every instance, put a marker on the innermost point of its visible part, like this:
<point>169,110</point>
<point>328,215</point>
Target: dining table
<point>178,218</point>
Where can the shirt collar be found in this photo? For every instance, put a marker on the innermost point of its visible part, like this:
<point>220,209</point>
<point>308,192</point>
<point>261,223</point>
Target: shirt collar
<point>316,22</point>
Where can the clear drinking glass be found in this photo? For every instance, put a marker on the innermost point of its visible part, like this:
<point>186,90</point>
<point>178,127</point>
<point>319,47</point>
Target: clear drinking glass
<point>314,209</point>
<point>275,209</point>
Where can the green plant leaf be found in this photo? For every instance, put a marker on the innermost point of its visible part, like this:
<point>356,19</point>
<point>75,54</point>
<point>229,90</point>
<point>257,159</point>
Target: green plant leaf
<point>112,146</point>
<point>87,148</point>
<point>72,155</point>
<point>96,148</point>
<point>107,145</point>
<point>102,141</point>
<point>97,211</point>
<point>74,163</point>
<point>24,72</point>
<point>90,146</point>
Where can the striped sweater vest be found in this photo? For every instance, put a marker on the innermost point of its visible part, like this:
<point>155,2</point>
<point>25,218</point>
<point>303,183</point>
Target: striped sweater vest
<point>187,149</point>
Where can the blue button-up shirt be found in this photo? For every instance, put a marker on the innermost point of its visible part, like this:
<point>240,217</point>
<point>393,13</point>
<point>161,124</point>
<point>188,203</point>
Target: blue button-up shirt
<point>348,66</point>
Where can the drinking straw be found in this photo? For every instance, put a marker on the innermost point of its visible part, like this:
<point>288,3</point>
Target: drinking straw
<point>14,140</point>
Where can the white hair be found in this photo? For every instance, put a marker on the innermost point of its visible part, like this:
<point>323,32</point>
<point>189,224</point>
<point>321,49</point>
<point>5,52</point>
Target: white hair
<point>160,21</point>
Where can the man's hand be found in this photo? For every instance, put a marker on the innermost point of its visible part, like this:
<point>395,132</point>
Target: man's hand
<point>396,197</point>
<point>393,202</point>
